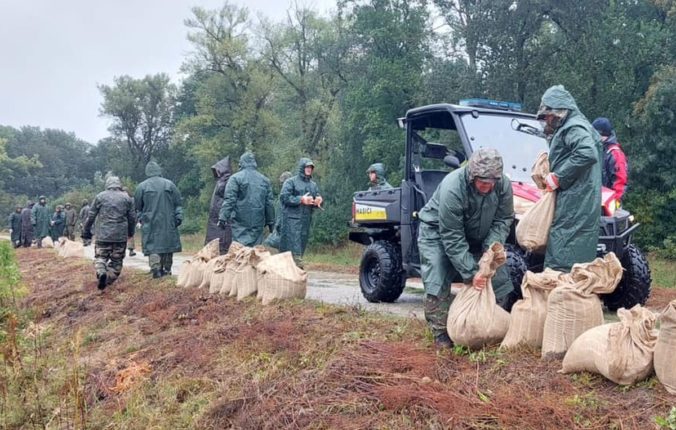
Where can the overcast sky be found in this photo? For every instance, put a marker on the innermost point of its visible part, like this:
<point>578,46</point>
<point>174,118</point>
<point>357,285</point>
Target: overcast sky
<point>55,52</point>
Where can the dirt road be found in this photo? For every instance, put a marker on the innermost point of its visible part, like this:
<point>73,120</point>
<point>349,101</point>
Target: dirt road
<point>330,287</point>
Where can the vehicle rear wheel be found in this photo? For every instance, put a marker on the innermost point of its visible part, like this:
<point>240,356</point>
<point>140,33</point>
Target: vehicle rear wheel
<point>381,276</point>
<point>634,287</point>
<point>516,263</point>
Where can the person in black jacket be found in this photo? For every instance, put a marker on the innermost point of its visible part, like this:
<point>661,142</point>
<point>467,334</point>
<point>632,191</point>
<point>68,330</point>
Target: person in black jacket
<point>221,171</point>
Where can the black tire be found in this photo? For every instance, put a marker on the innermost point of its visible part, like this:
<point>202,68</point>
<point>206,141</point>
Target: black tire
<point>634,287</point>
<point>381,276</point>
<point>516,263</point>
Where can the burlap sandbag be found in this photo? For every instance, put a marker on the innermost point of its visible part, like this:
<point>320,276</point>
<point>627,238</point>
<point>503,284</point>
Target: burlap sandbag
<point>182,278</point>
<point>621,351</point>
<point>532,231</point>
<point>47,242</point>
<point>527,322</point>
<point>474,319</point>
<point>208,272</point>
<point>574,306</point>
<point>209,251</point>
<point>246,277</point>
<point>195,273</point>
<point>218,274</point>
<point>279,278</point>
<point>70,249</point>
<point>665,350</point>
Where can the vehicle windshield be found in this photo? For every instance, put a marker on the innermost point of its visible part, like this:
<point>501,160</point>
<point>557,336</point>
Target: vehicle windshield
<point>518,149</point>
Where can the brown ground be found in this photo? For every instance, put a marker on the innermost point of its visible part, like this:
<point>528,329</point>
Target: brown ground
<point>301,365</point>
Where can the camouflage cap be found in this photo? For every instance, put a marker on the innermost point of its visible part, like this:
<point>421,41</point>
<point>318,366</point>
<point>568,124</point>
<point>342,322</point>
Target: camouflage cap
<point>485,163</point>
<point>68,204</point>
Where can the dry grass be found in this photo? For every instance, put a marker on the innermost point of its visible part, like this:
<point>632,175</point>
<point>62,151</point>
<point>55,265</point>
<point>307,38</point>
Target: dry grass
<point>155,356</point>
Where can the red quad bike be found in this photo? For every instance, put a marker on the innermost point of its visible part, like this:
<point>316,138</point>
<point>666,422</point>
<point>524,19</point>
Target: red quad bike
<point>439,138</point>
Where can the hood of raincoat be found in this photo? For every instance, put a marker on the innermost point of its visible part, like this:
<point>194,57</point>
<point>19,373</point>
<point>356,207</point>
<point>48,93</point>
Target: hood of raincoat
<point>302,164</point>
<point>247,160</point>
<point>557,97</point>
<point>379,168</point>
<point>113,182</point>
<point>153,169</point>
<point>221,168</point>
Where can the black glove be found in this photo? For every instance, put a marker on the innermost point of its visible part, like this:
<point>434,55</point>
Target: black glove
<point>222,224</point>
<point>271,228</point>
<point>86,235</point>
<point>179,221</point>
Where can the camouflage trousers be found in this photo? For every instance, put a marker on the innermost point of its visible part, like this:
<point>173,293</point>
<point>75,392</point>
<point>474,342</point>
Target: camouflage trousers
<point>108,258</point>
<point>69,232</point>
<point>161,262</point>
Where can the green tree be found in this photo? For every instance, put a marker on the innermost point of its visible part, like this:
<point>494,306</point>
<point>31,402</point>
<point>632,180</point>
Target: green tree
<point>142,111</point>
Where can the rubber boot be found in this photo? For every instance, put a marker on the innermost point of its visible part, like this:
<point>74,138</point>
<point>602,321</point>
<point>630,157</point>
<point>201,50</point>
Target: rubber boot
<point>157,273</point>
<point>103,278</point>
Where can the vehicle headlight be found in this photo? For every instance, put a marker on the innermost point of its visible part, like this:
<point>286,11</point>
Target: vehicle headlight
<point>612,206</point>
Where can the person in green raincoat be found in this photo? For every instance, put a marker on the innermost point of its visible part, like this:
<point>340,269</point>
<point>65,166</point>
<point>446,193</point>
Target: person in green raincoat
<point>273,239</point>
<point>40,219</point>
<point>575,154</point>
<point>57,223</point>
<point>376,174</point>
<point>299,198</point>
<point>247,203</point>
<point>15,226</point>
<point>158,205</point>
<point>471,209</point>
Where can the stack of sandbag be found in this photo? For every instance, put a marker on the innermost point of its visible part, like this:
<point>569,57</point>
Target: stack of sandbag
<point>527,323</point>
<point>70,249</point>
<point>279,278</point>
<point>216,268</point>
<point>474,319</point>
<point>245,280</point>
<point>621,351</point>
<point>532,231</point>
<point>192,271</point>
<point>665,350</point>
<point>574,306</point>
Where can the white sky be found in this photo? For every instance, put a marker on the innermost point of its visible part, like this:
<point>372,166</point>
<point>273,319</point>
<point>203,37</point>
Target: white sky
<point>53,53</point>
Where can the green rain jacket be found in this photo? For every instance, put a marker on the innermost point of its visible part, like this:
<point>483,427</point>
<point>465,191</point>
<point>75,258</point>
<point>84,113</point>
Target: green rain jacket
<point>59,220</point>
<point>158,204</point>
<point>382,184</point>
<point>247,203</point>
<point>466,223</point>
<point>40,219</point>
<point>296,218</point>
<point>575,152</point>
<point>115,212</point>
<point>15,226</point>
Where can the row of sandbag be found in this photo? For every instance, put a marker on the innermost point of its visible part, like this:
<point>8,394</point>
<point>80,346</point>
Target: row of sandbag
<point>244,271</point>
<point>563,315</point>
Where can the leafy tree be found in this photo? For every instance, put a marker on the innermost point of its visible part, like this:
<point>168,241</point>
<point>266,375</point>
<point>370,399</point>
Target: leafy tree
<point>142,111</point>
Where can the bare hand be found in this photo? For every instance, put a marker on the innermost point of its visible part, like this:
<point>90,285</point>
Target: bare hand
<point>318,201</point>
<point>307,200</point>
<point>479,282</point>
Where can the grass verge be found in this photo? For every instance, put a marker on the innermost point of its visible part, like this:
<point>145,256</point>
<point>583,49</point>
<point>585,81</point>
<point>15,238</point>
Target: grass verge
<point>145,354</point>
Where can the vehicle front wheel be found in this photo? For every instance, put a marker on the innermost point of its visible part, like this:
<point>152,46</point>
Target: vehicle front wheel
<point>634,287</point>
<point>381,276</point>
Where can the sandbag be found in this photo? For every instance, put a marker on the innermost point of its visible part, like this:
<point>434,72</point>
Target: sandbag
<point>665,350</point>
<point>71,249</point>
<point>474,319</point>
<point>209,251</point>
<point>532,231</point>
<point>218,273</point>
<point>574,306</point>
<point>47,242</point>
<point>527,322</point>
<point>246,278</point>
<point>208,272</point>
<point>195,273</point>
<point>182,278</point>
<point>279,278</point>
<point>621,351</point>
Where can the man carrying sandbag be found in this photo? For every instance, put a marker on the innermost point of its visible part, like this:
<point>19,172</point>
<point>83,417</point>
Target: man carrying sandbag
<point>574,163</point>
<point>472,208</point>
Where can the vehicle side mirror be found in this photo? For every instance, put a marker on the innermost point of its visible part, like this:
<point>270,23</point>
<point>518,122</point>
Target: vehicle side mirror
<point>452,161</point>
